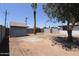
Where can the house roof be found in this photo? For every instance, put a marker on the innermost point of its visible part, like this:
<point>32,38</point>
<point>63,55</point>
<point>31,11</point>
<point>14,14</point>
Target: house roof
<point>17,24</point>
<point>76,24</point>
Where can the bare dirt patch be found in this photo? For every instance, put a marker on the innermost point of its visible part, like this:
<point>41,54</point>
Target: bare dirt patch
<point>40,45</point>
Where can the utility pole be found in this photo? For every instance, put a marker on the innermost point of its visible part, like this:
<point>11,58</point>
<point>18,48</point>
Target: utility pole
<point>5,24</point>
<point>5,17</point>
<point>26,21</point>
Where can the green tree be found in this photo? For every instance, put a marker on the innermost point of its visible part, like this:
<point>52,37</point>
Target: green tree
<point>64,12</point>
<point>34,6</point>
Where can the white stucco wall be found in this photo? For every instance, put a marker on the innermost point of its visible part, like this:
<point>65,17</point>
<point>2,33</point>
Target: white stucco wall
<point>76,28</point>
<point>74,33</point>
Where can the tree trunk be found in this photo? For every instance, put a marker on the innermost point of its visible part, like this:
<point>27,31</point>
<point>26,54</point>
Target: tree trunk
<point>69,38</point>
<point>69,31</point>
<point>34,22</point>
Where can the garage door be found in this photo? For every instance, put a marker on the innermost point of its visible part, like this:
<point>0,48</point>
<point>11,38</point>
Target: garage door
<point>18,31</point>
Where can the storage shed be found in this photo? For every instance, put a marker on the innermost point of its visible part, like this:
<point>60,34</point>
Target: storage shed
<point>18,29</point>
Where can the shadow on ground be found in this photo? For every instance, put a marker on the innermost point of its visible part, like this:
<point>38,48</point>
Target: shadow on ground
<point>4,47</point>
<point>62,41</point>
<point>20,35</point>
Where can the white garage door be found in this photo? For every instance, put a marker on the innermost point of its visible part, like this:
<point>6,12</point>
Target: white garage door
<point>18,31</point>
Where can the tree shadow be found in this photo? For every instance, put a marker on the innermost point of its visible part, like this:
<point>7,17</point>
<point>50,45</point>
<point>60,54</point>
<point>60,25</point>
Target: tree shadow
<point>67,45</point>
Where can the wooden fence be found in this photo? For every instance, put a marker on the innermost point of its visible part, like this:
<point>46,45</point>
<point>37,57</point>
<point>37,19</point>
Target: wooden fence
<point>2,33</point>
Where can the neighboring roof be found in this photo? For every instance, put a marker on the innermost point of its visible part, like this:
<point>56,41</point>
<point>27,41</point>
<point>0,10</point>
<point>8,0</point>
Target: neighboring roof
<point>17,24</point>
<point>76,24</point>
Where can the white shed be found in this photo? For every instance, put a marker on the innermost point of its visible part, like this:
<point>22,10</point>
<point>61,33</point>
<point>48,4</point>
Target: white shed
<point>18,29</point>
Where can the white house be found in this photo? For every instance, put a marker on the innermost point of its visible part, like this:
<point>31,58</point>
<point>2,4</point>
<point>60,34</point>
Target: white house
<point>75,31</point>
<point>18,29</point>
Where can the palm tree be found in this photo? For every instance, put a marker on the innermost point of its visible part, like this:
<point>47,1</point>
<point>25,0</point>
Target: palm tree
<point>34,6</point>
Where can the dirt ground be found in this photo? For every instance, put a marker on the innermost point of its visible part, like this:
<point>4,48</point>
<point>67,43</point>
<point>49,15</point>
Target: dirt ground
<point>38,45</point>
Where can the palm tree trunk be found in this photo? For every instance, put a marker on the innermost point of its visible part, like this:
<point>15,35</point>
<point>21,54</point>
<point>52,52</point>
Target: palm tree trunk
<point>34,22</point>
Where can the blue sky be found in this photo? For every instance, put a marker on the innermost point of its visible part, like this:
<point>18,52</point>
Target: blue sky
<point>19,11</point>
